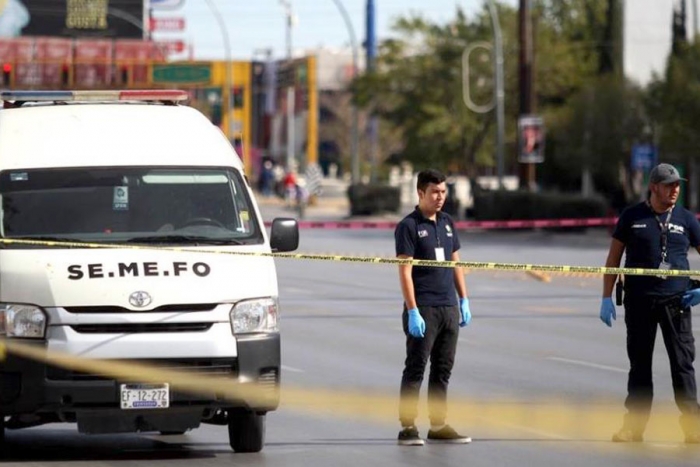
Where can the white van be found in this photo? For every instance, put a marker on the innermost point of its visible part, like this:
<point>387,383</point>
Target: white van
<point>132,168</point>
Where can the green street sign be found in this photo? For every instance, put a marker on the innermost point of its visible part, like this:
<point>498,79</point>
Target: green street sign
<point>181,74</point>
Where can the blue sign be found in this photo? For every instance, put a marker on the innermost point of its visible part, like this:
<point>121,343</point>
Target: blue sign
<point>644,157</point>
<point>165,4</point>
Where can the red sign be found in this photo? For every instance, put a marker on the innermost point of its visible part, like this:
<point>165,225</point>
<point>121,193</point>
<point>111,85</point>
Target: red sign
<point>52,55</point>
<point>27,74</point>
<point>167,24</point>
<point>93,63</point>
<point>171,46</point>
<point>135,55</point>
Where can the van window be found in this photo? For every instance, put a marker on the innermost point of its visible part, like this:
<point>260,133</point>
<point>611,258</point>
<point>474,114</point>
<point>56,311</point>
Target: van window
<point>129,204</point>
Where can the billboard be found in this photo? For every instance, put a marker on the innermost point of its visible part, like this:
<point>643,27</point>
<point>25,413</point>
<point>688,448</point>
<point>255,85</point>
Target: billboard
<point>73,18</point>
<point>530,139</point>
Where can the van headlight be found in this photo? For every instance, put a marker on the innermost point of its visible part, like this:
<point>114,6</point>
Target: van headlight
<point>19,320</point>
<point>260,315</point>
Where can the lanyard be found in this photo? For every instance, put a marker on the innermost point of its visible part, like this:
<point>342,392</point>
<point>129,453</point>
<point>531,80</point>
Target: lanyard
<point>664,231</point>
<point>437,231</point>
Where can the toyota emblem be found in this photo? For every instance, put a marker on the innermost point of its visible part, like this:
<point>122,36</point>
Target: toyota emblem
<point>140,299</point>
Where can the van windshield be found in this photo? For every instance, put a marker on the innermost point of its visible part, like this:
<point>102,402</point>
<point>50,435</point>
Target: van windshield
<point>195,206</point>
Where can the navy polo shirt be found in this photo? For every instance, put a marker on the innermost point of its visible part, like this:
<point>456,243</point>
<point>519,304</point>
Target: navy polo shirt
<point>639,230</point>
<point>418,237</point>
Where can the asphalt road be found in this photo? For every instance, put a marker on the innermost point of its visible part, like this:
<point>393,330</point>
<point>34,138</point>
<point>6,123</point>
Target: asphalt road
<point>538,380</point>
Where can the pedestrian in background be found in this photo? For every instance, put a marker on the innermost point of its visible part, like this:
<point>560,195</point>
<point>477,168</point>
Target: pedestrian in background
<point>656,234</point>
<point>432,314</point>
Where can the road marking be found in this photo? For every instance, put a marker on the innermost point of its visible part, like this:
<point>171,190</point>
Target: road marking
<point>292,369</point>
<point>516,426</point>
<point>588,364</point>
<point>549,309</point>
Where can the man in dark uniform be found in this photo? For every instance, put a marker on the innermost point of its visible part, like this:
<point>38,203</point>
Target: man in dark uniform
<point>432,315</point>
<point>656,234</point>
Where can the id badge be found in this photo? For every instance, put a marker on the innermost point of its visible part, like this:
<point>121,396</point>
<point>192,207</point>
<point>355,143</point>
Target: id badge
<point>439,254</point>
<point>664,266</point>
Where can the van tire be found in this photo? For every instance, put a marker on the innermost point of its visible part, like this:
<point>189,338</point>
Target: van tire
<point>2,434</point>
<point>246,430</point>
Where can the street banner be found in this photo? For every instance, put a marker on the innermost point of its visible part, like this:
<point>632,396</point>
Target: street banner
<point>93,63</point>
<point>53,55</point>
<point>167,24</point>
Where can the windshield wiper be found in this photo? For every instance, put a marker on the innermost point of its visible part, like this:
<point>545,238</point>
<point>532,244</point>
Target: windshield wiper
<point>44,238</point>
<point>194,239</point>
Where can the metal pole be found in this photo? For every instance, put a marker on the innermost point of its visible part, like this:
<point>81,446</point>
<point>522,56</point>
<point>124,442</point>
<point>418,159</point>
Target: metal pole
<point>290,89</point>
<point>371,52</point>
<point>500,94</point>
<point>226,95</point>
<point>355,116</point>
<point>286,4</point>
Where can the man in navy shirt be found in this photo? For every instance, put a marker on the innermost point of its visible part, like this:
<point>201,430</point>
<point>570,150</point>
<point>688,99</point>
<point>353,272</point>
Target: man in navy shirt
<point>432,315</point>
<point>656,234</point>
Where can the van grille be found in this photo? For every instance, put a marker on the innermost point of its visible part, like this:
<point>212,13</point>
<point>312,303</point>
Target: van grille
<point>162,308</point>
<point>133,328</point>
<point>210,367</point>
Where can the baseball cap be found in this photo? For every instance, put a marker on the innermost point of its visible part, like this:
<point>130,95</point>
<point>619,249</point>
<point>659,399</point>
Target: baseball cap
<point>665,174</point>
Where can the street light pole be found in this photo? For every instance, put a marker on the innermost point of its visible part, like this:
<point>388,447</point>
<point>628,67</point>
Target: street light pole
<point>500,94</point>
<point>290,89</point>
<point>226,95</point>
<point>497,56</point>
<point>355,116</point>
<point>286,4</point>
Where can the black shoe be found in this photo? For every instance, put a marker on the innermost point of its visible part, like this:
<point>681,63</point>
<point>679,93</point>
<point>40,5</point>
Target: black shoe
<point>626,435</point>
<point>409,437</point>
<point>447,435</point>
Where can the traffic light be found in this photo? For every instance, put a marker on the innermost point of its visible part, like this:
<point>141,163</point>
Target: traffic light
<point>238,97</point>
<point>65,76</point>
<point>530,139</point>
<point>124,75</point>
<point>7,74</point>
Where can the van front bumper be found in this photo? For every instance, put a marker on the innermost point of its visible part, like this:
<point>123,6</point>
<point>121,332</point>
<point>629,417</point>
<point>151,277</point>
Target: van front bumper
<point>31,386</point>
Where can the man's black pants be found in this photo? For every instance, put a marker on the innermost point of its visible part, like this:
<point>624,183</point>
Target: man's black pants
<point>440,345</point>
<point>642,316</point>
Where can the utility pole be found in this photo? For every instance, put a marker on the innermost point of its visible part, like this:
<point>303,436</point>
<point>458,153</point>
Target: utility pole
<point>371,51</point>
<point>290,89</point>
<point>354,131</point>
<point>525,70</point>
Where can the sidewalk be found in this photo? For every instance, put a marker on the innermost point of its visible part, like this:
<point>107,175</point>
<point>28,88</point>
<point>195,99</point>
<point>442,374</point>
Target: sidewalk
<point>325,209</point>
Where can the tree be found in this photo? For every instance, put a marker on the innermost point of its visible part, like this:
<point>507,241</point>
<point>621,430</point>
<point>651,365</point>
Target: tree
<point>417,89</point>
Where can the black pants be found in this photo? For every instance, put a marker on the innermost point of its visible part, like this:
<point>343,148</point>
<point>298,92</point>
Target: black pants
<point>440,345</point>
<point>642,316</point>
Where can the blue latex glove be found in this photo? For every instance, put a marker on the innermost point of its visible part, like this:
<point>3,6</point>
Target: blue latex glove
<point>416,324</point>
<point>607,311</point>
<point>691,298</point>
<point>466,314</point>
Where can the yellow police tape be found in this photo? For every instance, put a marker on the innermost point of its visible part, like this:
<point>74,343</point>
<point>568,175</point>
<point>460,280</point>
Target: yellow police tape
<point>487,266</point>
<point>554,419</point>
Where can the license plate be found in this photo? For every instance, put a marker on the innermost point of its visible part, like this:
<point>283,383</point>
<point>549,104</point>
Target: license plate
<point>145,396</point>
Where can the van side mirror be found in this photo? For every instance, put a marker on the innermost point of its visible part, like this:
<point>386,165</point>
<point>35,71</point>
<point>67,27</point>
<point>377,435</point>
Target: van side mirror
<point>284,235</point>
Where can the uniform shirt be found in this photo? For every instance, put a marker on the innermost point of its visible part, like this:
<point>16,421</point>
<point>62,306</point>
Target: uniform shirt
<point>418,237</point>
<point>641,233</point>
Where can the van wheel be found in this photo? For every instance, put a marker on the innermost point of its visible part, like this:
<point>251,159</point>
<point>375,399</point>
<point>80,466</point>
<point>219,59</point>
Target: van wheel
<point>172,433</point>
<point>2,433</point>
<point>246,430</point>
